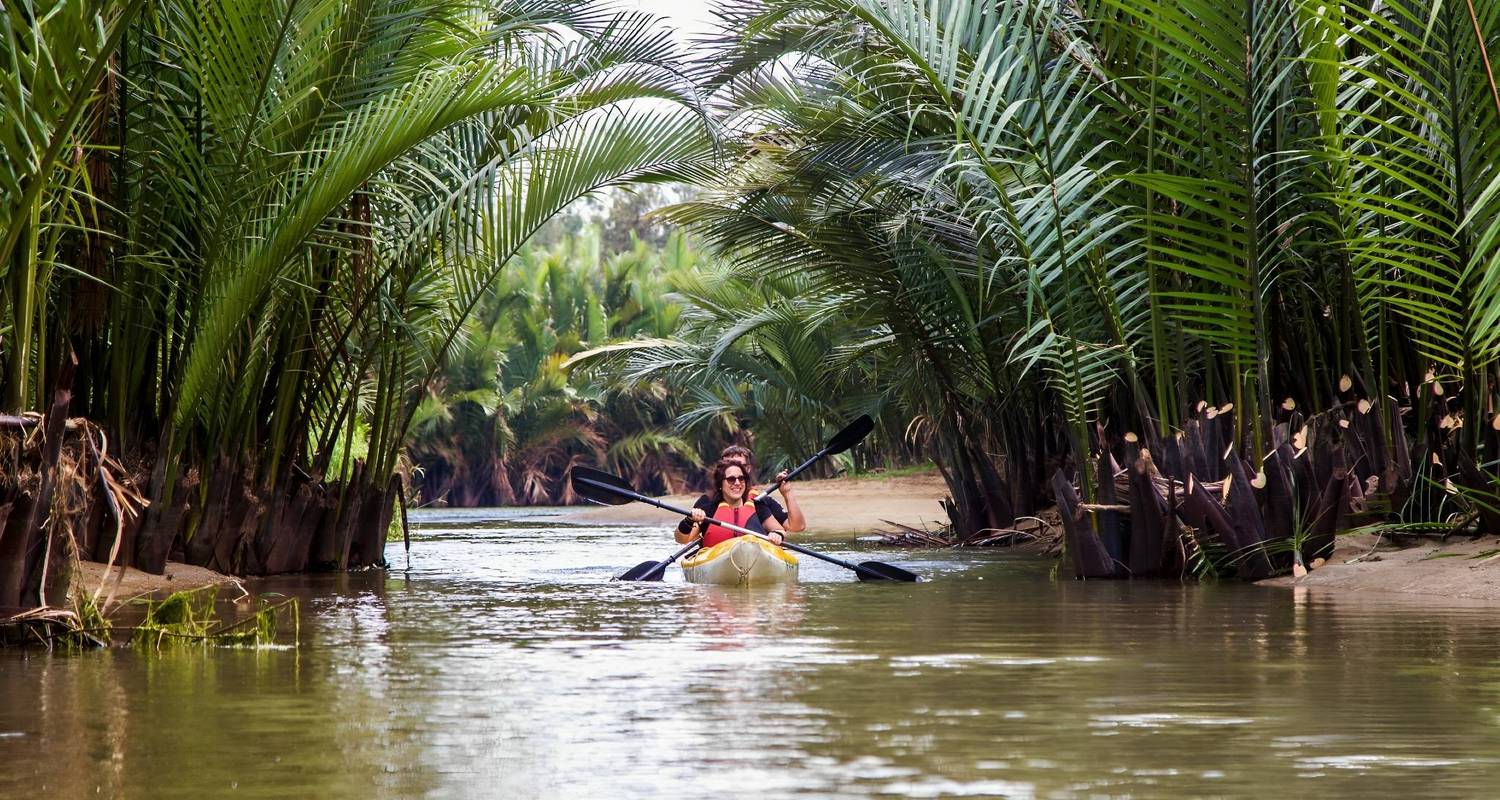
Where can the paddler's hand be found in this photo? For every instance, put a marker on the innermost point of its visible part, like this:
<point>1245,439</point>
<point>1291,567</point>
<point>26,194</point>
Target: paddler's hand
<point>697,517</point>
<point>776,538</point>
<point>781,483</point>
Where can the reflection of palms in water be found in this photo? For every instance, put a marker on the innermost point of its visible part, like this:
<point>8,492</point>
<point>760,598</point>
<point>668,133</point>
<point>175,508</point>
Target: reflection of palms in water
<point>735,615</point>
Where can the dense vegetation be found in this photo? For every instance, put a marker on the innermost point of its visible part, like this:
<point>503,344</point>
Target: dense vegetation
<point>1250,251</point>
<point>1256,238</point>
<point>505,420</point>
<point>262,227</point>
<point>513,410</point>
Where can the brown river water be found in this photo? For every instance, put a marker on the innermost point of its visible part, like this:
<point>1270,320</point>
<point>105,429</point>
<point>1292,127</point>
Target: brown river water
<point>502,663</point>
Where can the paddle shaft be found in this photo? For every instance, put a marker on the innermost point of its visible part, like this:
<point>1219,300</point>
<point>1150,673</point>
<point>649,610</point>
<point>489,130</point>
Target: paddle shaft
<point>801,468</point>
<point>640,498</point>
<point>660,568</point>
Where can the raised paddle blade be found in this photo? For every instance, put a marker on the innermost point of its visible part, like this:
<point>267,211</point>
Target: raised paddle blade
<point>851,435</point>
<point>886,572</point>
<point>595,485</point>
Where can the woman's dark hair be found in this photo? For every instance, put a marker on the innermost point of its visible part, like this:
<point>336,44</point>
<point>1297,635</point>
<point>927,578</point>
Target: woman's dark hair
<point>717,493</point>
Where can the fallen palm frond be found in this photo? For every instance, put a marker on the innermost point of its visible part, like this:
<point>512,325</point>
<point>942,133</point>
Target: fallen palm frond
<point>189,619</point>
<point>1027,531</point>
<point>908,536</point>
<point>46,626</point>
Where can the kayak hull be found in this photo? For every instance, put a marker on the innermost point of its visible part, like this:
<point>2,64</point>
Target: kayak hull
<point>741,561</point>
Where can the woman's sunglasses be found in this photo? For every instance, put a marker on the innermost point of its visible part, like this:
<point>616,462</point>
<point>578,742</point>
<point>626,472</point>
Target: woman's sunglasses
<point>734,479</point>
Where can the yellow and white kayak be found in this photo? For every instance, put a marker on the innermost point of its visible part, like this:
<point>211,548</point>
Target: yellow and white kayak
<point>741,561</point>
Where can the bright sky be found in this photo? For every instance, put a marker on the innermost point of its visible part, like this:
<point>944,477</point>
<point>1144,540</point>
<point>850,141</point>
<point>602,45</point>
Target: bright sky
<point>690,17</point>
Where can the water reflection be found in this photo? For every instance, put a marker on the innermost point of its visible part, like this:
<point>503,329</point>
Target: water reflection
<point>733,618</point>
<point>504,663</point>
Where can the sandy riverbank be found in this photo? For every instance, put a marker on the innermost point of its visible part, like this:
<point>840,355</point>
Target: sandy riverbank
<point>1461,568</point>
<point>836,506</point>
<point>135,583</point>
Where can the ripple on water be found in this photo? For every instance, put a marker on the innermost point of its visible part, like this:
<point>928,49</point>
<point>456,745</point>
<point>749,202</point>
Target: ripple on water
<point>502,662</point>
<point>953,661</point>
<point>1151,721</point>
<point>946,787</point>
<point>1363,762</point>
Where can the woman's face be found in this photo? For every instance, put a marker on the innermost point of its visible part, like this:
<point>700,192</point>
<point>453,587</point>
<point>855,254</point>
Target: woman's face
<point>734,483</point>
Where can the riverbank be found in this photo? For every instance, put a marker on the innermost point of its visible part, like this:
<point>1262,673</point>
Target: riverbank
<point>1462,568</point>
<point>129,583</point>
<point>834,506</point>
<point>91,598</point>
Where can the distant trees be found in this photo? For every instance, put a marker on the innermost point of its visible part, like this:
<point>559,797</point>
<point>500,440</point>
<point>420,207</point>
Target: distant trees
<point>505,420</point>
<point>264,227</point>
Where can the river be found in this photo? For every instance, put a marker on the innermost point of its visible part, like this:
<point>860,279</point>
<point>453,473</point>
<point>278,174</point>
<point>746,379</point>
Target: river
<point>499,661</point>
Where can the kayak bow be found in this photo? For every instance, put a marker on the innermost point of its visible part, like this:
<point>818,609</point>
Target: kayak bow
<point>741,561</point>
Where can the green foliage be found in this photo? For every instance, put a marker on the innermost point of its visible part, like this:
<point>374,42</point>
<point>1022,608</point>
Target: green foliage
<point>507,419</point>
<point>1042,226</point>
<point>264,227</point>
<point>911,470</point>
<point>552,371</point>
<point>748,357</point>
<point>89,627</point>
<point>189,618</point>
<point>292,235</point>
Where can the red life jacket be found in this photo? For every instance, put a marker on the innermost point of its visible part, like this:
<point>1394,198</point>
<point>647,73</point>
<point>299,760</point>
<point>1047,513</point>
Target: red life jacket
<point>744,516</point>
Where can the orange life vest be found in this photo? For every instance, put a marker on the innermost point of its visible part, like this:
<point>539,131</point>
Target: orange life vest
<point>744,516</point>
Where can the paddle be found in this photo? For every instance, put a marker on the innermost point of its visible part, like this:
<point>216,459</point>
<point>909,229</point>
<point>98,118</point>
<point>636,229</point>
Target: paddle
<point>646,570</point>
<point>653,570</point>
<point>852,434</point>
<point>596,485</point>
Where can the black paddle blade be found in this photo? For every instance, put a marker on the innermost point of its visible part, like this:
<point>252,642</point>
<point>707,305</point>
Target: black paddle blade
<point>851,435</point>
<point>600,493</point>
<point>886,572</point>
<point>639,571</point>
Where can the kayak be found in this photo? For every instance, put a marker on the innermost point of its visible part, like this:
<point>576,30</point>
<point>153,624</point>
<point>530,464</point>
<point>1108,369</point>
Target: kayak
<point>741,561</point>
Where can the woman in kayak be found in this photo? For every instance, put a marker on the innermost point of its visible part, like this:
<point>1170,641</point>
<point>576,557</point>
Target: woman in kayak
<point>791,518</point>
<point>731,482</point>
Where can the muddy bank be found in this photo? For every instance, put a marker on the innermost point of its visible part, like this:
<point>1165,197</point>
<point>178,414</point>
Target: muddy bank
<point>1460,568</point>
<point>94,600</point>
<point>62,491</point>
<point>835,506</point>
<point>128,583</point>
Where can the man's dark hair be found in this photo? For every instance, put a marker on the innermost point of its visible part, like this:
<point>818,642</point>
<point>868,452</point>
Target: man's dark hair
<point>738,451</point>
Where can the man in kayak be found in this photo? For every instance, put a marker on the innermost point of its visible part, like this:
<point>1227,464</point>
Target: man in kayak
<point>731,483</point>
<point>791,518</point>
